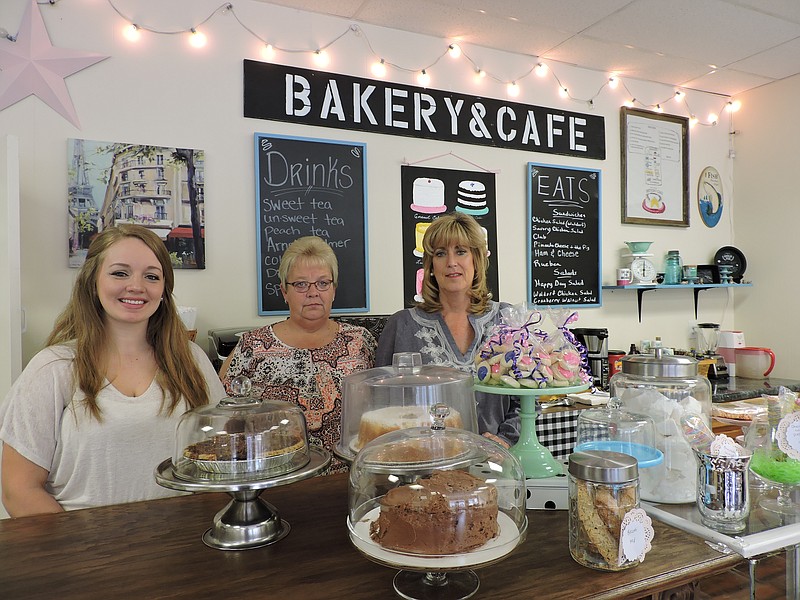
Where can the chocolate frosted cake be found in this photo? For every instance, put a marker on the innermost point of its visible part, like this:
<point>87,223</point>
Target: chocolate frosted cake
<point>449,512</point>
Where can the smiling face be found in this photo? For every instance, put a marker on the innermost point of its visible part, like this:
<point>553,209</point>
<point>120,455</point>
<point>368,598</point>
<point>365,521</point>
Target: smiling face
<point>453,269</point>
<point>312,304</point>
<point>130,282</point>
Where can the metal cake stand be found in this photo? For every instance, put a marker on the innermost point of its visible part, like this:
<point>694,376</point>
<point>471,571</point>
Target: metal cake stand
<point>247,521</point>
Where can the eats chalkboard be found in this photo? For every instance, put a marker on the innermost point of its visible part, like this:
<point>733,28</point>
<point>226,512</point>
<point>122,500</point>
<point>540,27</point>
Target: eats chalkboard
<point>564,238</point>
<point>311,187</point>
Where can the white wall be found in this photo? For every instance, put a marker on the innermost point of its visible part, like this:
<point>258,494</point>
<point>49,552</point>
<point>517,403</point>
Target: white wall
<point>768,219</point>
<point>10,308</point>
<point>163,92</point>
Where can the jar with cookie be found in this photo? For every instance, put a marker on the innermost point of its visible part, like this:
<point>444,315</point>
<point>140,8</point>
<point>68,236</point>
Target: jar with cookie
<point>607,529</point>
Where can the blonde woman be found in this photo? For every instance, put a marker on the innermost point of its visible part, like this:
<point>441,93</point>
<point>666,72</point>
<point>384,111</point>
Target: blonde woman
<point>305,358</point>
<point>94,413</point>
<point>455,316</point>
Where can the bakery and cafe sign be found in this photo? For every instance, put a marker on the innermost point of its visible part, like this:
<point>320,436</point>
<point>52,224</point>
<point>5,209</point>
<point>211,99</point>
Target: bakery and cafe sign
<point>295,95</point>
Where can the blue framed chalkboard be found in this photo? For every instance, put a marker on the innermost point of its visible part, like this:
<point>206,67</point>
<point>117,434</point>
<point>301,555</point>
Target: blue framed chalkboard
<point>564,251</point>
<point>307,186</point>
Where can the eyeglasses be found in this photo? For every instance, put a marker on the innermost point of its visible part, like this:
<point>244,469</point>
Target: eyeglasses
<point>304,286</point>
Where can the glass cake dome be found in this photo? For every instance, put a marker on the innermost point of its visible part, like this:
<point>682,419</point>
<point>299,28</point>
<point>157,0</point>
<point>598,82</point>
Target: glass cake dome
<point>384,399</point>
<point>240,439</point>
<point>435,501</point>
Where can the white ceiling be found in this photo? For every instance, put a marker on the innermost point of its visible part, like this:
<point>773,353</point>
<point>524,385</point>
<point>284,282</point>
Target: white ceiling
<point>720,46</point>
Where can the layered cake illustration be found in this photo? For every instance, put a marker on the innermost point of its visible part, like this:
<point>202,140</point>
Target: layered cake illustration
<point>428,196</point>
<point>472,198</point>
<point>419,233</point>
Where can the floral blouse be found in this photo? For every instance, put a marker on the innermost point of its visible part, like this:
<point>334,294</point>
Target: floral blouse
<point>311,378</point>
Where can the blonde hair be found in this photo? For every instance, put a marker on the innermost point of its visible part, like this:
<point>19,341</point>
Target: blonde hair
<point>312,251</point>
<point>82,324</point>
<point>463,230</point>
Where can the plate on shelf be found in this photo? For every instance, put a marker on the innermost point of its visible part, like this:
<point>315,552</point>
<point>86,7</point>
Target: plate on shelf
<point>728,255</point>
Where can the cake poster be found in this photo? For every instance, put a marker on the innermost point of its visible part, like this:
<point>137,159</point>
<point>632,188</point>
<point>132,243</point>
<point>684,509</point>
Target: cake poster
<point>427,193</point>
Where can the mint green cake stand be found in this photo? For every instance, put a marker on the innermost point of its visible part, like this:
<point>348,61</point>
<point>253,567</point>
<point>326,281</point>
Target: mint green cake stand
<point>536,460</point>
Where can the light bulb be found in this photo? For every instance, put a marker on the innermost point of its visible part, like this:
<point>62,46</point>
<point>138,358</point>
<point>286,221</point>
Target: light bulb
<point>454,50</point>
<point>132,33</point>
<point>479,74</point>
<point>268,52</point>
<point>712,118</point>
<point>679,96</point>
<point>321,58</point>
<point>423,78</point>
<point>513,89</point>
<point>629,103</point>
<point>613,82</point>
<point>563,92</point>
<point>733,106</point>
<point>197,39</point>
<point>379,68</point>
<point>658,108</point>
<point>541,69</point>
<point>693,121</point>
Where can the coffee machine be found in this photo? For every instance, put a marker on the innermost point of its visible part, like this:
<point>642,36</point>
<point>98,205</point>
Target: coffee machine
<point>596,342</point>
<point>707,338</point>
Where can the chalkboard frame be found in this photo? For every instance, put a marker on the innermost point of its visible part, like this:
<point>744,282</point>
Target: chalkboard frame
<point>363,252</point>
<point>596,276</point>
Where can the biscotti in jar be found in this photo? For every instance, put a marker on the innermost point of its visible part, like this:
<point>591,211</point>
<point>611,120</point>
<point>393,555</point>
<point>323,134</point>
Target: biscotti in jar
<point>603,490</point>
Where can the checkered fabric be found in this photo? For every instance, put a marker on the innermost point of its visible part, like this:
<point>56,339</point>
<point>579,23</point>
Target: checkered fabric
<point>558,432</point>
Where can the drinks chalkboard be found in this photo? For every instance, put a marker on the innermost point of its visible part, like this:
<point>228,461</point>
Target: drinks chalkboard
<point>564,238</point>
<point>311,187</point>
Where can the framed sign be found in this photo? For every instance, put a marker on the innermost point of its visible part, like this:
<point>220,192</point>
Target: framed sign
<point>655,168</point>
<point>315,187</point>
<point>564,253</point>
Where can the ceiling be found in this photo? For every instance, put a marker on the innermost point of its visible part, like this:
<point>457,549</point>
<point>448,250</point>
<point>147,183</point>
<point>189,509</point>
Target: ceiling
<point>720,46</point>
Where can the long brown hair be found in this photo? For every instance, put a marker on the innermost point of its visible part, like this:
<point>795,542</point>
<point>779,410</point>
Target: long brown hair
<point>82,325</point>
<point>463,230</point>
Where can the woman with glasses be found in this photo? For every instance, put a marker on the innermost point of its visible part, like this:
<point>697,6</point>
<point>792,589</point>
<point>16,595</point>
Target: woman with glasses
<point>455,316</point>
<point>305,358</point>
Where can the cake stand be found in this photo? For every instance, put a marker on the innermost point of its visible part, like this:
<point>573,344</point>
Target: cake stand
<point>439,577</point>
<point>247,521</point>
<point>536,460</point>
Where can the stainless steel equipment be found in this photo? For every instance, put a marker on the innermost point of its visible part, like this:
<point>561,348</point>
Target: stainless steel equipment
<point>707,339</point>
<point>221,343</point>
<point>596,342</point>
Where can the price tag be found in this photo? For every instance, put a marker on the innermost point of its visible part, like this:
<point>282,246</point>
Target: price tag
<point>788,435</point>
<point>636,535</point>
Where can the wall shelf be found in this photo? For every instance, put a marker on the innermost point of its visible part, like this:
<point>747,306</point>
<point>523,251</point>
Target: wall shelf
<point>696,287</point>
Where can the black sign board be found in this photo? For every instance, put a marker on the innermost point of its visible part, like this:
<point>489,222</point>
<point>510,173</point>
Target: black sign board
<point>311,187</point>
<point>427,194</point>
<point>295,95</point>
<point>564,236</point>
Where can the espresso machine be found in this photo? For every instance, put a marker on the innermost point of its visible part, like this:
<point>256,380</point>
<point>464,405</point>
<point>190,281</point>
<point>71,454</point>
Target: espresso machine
<point>596,342</point>
<point>707,340</point>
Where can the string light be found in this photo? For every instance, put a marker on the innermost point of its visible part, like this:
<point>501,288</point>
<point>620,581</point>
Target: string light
<point>379,68</point>
<point>693,120</point>
<point>321,58</point>
<point>423,78</point>
<point>132,32</point>
<point>197,39</point>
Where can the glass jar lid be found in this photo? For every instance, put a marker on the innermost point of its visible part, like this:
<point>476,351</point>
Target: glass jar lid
<point>601,466</point>
<point>659,365</point>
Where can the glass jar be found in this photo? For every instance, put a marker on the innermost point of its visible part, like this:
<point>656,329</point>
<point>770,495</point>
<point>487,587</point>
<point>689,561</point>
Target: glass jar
<point>673,268</point>
<point>666,387</point>
<point>603,489</point>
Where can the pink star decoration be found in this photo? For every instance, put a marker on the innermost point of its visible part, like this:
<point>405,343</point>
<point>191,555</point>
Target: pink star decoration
<point>32,65</point>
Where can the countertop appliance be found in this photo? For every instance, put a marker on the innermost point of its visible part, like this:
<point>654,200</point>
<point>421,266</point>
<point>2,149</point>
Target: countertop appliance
<point>221,343</point>
<point>707,338</point>
<point>596,342</point>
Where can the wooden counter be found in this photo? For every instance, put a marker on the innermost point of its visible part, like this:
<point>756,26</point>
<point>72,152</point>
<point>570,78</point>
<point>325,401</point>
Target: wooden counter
<point>150,550</point>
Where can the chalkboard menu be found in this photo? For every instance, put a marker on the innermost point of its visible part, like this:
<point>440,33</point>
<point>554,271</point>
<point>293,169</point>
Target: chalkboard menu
<point>564,236</point>
<point>311,187</point>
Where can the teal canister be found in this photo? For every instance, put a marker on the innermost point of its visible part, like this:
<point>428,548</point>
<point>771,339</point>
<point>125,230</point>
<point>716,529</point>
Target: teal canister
<point>673,268</point>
